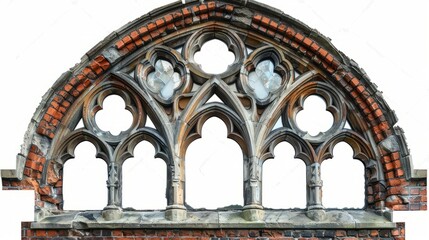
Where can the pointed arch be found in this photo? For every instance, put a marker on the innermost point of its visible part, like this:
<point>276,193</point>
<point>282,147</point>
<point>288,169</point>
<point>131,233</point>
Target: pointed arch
<point>243,25</point>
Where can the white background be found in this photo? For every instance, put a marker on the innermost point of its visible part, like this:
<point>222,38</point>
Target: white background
<point>42,39</point>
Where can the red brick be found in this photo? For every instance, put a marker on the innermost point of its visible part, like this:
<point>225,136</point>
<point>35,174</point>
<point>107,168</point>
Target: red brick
<point>290,32</point>
<point>314,47</point>
<point>80,88</point>
<point>203,8</point>
<point>75,93</point>
<point>307,41</point>
<point>299,37</point>
<point>400,207</point>
<point>360,88</point>
<point>211,6</point>
<point>143,30</point>
<point>204,16</point>
<point>89,73</point>
<point>146,38</point>
<point>329,58</point>
<point>160,22</point>
<point>281,28</point>
<point>399,172</point>
<point>46,190</point>
<point>40,233</point>
<point>378,113</point>
<point>385,159</point>
<point>394,182</point>
<point>31,164</point>
<point>340,233</point>
<point>95,68</point>
<point>270,33</point>
<point>229,8</point>
<point>274,25</point>
<point>323,52</point>
<point>390,175</point>
<point>55,122</point>
<point>388,166</point>
<point>195,9</point>
<point>151,27</point>
<point>384,126</point>
<point>177,15</point>
<point>86,82</point>
<point>186,12</point>
<point>153,34</point>
<point>120,44</point>
<point>52,233</point>
<point>395,156</point>
<point>127,40</point>
<point>265,21</point>
<point>168,19</point>
<point>27,172</point>
<point>68,87</point>
<point>117,233</point>
<point>397,164</point>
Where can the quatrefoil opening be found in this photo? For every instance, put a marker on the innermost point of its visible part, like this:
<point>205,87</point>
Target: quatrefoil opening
<point>163,80</point>
<point>263,80</point>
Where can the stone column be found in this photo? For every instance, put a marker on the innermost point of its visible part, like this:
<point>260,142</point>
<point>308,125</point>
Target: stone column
<point>315,209</point>
<point>253,210</point>
<point>113,210</point>
<point>176,209</point>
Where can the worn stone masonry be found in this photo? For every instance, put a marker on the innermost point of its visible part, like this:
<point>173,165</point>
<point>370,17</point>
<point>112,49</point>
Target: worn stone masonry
<point>306,64</point>
<point>221,234</point>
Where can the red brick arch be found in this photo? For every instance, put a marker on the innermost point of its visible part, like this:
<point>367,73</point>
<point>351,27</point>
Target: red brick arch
<point>399,191</point>
<point>268,24</point>
<point>262,23</point>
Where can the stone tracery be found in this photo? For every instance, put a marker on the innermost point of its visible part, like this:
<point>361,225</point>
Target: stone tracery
<point>152,68</point>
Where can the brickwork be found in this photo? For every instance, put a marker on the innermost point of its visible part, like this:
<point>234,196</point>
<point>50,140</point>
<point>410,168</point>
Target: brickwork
<point>280,31</point>
<point>216,234</point>
<point>393,188</point>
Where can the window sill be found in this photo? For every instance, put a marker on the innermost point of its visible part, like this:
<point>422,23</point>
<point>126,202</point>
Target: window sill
<point>276,219</point>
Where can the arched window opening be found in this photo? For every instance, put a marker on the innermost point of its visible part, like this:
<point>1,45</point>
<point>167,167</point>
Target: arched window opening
<point>107,118</point>
<point>144,179</point>
<point>214,169</point>
<point>284,180</point>
<point>84,180</point>
<point>343,179</point>
<point>214,57</point>
<point>314,118</point>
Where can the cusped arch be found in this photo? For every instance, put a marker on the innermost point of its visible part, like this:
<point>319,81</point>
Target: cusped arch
<point>66,150</point>
<point>232,122</point>
<point>303,149</point>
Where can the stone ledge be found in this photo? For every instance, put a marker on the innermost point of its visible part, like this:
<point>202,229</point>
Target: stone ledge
<point>275,219</point>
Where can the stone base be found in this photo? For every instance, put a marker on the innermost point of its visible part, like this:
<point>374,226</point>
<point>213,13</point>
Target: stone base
<point>175,213</point>
<point>253,213</point>
<point>316,214</point>
<point>112,213</point>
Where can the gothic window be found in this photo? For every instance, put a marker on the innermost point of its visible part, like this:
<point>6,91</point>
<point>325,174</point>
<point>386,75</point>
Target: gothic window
<point>174,85</point>
<point>259,90</point>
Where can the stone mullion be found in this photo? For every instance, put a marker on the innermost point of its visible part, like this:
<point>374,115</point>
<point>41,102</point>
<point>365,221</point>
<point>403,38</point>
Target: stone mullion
<point>176,209</point>
<point>113,209</point>
<point>315,209</point>
<point>253,209</point>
